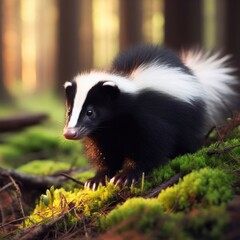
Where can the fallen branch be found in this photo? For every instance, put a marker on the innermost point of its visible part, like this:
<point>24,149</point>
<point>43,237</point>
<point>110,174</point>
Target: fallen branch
<point>27,181</point>
<point>154,192</point>
<point>221,151</point>
<point>18,122</point>
<point>32,181</point>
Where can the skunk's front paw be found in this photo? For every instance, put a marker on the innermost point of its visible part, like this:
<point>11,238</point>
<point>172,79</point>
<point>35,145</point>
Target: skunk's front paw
<point>93,183</point>
<point>125,178</point>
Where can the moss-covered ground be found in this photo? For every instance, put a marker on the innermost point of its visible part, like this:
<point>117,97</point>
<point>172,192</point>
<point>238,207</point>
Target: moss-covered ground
<point>196,206</point>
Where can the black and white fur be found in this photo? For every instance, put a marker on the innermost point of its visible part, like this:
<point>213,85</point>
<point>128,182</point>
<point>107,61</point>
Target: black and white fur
<point>152,105</point>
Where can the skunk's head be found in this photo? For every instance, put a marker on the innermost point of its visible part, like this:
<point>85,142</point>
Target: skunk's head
<point>90,101</point>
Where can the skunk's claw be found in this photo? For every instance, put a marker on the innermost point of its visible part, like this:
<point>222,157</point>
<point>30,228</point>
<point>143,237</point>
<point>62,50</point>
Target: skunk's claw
<point>94,182</point>
<point>125,179</point>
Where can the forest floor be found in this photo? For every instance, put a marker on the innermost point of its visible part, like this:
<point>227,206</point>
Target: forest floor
<point>195,196</point>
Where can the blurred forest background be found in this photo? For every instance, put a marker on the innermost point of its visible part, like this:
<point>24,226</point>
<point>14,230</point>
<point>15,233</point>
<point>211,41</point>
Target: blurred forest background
<point>43,43</point>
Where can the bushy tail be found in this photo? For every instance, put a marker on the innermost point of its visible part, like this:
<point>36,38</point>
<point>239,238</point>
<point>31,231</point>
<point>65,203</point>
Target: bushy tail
<point>218,82</point>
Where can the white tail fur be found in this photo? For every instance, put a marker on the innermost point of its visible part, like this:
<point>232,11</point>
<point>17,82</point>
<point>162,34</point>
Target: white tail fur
<point>217,80</point>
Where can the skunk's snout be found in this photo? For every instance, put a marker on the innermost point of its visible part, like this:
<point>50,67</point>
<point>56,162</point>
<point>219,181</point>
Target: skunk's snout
<point>71,133</point>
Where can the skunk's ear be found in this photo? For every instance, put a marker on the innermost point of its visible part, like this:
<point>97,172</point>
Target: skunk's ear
<point>111,88</point>
<point>67,84</point>
<point>110,83</point>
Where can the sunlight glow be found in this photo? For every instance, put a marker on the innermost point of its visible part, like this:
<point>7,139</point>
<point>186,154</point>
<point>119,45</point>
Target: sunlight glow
<point>28,47</point>
<point>11,43</point>
<point>157,30</point>
<point>153,22</point>
<point>105,31</point>
<point>209,23</point>
<point>30,40</point>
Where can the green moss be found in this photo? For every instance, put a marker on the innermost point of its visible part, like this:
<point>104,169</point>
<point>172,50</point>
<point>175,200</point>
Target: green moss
<point>43,167</point>
<point>73,203</point>
<point>9,155</point>
<point>190,209</point>
<point>206,186</point>
<point>182,164</point>
<point>139,211</point>
<point>34,140</point>
<point>147,216</point>
<point>208,223</point>
<point>196,161</point>
<point>40,142</point>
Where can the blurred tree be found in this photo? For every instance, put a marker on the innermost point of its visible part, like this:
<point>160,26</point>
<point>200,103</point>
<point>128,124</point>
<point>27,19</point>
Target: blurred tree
<point>86,35</point>
<point>183,23</point>
<point>68,45</point>
<point>232,30</point>
<point>12,40</point>
<point>45,23</point>
<point>130,23</point>
<point>4,95</point>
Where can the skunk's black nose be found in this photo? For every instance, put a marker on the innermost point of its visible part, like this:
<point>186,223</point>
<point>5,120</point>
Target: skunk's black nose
<point>70,133</point>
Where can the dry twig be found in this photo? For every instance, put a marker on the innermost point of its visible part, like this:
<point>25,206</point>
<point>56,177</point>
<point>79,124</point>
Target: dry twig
<point>221,151</point>
<point>19,198</point>
<point>154,192</point>
<point>71,178</point>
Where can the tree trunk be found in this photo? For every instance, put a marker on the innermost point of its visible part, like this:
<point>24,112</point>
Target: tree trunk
<point>68,46</point>
<point>86,35</point>
<point>232,31</point>
<point>4,95</point>
<point>183,23</point>
<point>130,23</point>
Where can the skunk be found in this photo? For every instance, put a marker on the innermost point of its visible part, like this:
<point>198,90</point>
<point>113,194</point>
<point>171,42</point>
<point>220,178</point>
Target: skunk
<point>150,106</point>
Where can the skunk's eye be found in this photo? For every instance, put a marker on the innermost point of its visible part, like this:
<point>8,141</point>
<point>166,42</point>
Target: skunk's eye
<point>89,113</point>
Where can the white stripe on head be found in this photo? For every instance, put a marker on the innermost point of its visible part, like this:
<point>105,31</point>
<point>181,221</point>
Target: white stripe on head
<point>171,81</point>
<point>85,82</point>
